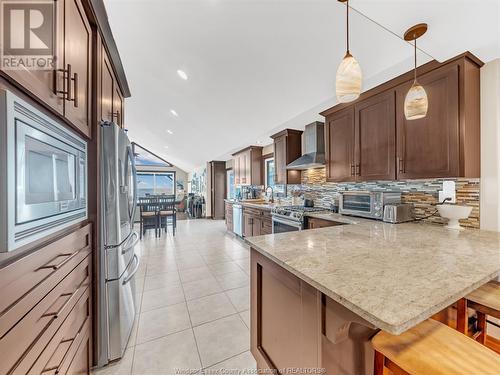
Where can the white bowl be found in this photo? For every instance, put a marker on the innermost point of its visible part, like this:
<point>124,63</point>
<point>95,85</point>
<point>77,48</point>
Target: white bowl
<point>453,214</point>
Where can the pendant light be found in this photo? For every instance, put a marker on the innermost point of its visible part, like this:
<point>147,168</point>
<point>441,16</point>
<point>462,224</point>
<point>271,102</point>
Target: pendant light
<point>349,77</point>
<point>416,102</point>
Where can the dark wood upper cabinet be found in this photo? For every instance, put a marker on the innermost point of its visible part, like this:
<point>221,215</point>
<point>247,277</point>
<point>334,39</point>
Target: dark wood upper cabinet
<point>339,145</point>
<point>78,63</point>
<point>44,83</point>
<point>375,143</point>
<point>370,139</point>
<point>287,148</point>
<point>429,147</point>
<point>118,106</point>
<point>107,89</point>
<point>247,166</point>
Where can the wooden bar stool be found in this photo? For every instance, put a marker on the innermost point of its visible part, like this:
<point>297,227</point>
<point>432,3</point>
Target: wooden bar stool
<point>485,301</point>
<point>432,348</point>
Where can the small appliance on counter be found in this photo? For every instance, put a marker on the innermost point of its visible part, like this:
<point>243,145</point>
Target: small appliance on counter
<point>369,204</point>
<point>398,213</point>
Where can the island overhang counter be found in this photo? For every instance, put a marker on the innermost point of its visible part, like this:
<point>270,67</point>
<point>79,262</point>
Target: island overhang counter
<point>318,296</point>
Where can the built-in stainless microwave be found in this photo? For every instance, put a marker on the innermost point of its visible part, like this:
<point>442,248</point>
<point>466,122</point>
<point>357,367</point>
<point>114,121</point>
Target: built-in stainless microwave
<point>368,204</point>
<point>43,177</point>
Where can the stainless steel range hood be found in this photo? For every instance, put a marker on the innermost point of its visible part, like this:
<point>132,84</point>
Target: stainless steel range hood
<point>314,148</point>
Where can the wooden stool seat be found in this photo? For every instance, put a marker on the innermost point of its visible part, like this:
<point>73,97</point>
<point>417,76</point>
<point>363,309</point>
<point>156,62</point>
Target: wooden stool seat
<point>486,299</point>
<point>432,348</point>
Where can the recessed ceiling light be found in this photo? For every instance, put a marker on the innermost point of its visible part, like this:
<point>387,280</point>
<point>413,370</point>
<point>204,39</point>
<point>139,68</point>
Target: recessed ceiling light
<point>258,142</point>
<point>174,113</point>
<point>182,74</point>
<point>170,131</point>
<point>165,146</point>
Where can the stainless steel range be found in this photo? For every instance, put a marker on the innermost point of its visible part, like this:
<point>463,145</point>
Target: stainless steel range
<point>291,218</point>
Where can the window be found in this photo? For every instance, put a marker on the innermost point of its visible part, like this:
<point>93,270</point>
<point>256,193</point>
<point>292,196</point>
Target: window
<point>155,183</point>
<point>230,184</point>
<point>269,171</point>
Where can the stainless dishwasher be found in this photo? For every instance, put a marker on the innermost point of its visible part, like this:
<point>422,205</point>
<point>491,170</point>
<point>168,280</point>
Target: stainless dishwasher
<point>238,219</point>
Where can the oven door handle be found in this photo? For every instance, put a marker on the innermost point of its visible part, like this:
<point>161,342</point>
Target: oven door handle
<point>291,223</point>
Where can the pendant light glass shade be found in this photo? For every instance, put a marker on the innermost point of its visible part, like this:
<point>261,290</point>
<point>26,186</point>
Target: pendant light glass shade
<point>348,80</point>
<point>416,103</point>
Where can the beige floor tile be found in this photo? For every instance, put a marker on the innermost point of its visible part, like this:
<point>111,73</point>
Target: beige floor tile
<point>156,298</point>
<point>161,280</point>
<point>233,280</point>
<point>163,321</point>
<point>225,267</point>
<point>190,263</point>
<point>216,258</point>
<point>221,339</point>
<point>201,288</point>
<point>209,308</point>
<point>245,315</point>
<point>243,363</point>
<point>240,298</point>
<point>163,356</point>
<point>197,273</point>
<point>244,264</point>
<point>121,367</point>
<point>156,268</point>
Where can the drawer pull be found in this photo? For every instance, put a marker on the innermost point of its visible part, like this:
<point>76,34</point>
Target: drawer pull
<point>68,257</point>
<point>57,313</point>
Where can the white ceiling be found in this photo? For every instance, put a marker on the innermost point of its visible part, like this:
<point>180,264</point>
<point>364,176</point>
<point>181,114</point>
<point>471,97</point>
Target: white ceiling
<point>258,66</point>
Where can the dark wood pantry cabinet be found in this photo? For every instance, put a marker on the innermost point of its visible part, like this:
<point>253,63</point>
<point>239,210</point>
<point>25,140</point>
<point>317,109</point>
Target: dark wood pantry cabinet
<point>287,148</point>
<point>370,139</point>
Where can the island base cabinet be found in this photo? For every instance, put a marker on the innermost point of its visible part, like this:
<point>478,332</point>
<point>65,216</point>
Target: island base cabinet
<point>294,326</point>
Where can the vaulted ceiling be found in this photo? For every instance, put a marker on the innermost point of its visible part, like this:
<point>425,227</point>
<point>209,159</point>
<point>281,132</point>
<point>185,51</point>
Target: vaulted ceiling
<point>257,66</point>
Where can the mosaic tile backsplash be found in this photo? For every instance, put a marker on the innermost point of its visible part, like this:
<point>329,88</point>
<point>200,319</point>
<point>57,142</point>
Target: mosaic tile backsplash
<point>422,193</point>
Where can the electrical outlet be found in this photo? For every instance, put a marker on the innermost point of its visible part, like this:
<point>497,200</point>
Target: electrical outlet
<point>448,192</point>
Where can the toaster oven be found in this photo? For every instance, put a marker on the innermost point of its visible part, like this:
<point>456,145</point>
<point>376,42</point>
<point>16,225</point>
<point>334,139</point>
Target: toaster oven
<point>369,204</point>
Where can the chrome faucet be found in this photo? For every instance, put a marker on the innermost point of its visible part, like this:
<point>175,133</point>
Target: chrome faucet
<point>272,194</point>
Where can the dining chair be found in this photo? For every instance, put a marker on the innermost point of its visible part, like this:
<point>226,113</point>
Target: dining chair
<point>149,219</point>
<point>166,211</point>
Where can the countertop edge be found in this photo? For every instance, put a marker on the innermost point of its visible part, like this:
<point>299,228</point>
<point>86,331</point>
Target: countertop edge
<point>383,325</point>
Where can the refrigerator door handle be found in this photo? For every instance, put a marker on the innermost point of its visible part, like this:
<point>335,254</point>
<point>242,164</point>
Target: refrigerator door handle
<point>134,176</point>
<point>126,249</point>
<point>132,274</point>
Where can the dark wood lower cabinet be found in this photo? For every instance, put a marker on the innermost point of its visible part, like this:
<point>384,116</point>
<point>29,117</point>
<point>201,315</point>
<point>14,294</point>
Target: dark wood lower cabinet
<point>229,216</point>
<point>294,325</point>
<point>256,222</point>
<point>315,223</point>
<point>45,321</point>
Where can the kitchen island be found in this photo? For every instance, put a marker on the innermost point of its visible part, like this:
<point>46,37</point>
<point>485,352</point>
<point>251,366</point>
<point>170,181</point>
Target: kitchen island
<point>318,296</point>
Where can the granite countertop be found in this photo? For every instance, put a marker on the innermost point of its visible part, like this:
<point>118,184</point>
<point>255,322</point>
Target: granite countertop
<point>260,206</point>
<point>392,275</point>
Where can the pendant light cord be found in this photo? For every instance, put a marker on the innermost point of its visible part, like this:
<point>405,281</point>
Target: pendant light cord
<point>415,70</point>
<point>391,32</point>
<point>347,24</point>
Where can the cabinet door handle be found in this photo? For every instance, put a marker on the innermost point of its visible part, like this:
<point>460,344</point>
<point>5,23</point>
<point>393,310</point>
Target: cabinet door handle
<point>75,90</point>
<point>115,114</point>
<point>68,82</point>
<point>64,93</point>
<point>401,165</point>
<point>357,170</point>
<point>352,170</point>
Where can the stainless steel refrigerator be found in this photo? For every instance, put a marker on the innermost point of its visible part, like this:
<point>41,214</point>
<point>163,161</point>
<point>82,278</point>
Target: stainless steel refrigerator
<point>118,260</point>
